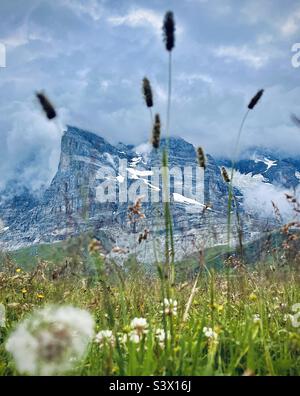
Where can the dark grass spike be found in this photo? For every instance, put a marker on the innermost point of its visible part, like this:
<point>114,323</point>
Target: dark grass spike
<point>147,92</point>
<point>201,158</point>
<point>169,31</point>
<point>46,105</point>
<point>225,175</point>
<point>156,132</point>
<point>253,102</point>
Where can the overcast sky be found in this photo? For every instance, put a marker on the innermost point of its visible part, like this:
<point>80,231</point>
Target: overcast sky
<point>91,55</point>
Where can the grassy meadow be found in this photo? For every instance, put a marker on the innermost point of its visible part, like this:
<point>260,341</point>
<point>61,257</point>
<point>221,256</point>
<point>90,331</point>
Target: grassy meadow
<point>223,323</point>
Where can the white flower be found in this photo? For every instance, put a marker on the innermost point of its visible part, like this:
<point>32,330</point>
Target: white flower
<point>160,335</point>
<point>133,336</point>
<point>105,337</point>
<point>209,333</point>
<point>170,306</point>
<point>256,318</point>
<point>2,315</point>
<point>139,325</point>
<point>51,340</point>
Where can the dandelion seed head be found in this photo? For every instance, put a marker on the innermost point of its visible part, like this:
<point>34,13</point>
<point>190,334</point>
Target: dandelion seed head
<point>51,340</point>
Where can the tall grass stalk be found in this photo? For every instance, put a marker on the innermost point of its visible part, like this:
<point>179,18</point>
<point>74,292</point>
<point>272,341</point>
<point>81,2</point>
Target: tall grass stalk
<point>169,38</point>
<point>253,102</point>
<point>230,188</point>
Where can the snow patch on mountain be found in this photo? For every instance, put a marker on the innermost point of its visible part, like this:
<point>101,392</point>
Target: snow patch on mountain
<point>266,161</point>
<point>180,198</point>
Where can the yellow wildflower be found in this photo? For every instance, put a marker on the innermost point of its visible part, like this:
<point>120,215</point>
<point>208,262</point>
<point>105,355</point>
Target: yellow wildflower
<point>253,297</point>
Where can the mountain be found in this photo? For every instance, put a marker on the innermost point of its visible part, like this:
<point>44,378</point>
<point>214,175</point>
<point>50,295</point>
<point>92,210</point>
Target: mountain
<point>88,194</point>
<point>275,167</point>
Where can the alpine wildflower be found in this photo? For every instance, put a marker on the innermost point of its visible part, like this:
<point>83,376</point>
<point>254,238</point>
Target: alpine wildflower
<point>139,325</point>
<point>209,333</point>
<point>161,335</point>
<point>170,306</point>
<point>105,337</point>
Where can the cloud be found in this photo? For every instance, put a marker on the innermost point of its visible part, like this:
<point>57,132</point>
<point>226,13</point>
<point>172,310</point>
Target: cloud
<point>34,144</point>
<point>243,54</point>
<point>195,77</point>
<point>16,39</point>
<point>259,195</point>
<point>91,8</point>
<point>291,25</point>
<point>139,18</point>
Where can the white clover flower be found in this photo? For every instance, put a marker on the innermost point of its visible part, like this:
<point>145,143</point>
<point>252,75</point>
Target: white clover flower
<point>170,306</point>
<point>139,325</point>
<point>256,318</point>
<point>2,315</point>
<point>160,335</point>
<point>105,337</point>
<point>209,333</point>
<point>51,340</point>
<point>133,337</point>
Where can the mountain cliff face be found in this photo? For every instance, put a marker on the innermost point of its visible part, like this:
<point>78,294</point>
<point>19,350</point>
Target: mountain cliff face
<point>93,177</point>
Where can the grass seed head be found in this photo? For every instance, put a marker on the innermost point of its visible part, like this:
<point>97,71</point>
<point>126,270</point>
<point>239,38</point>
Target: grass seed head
<point>255,99</point>
<point>156,132</point>
<point>147,92</point>
<point>201,158</point>
<point>46,105</point>
<point>225,175</point>
<point>169,31</point>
